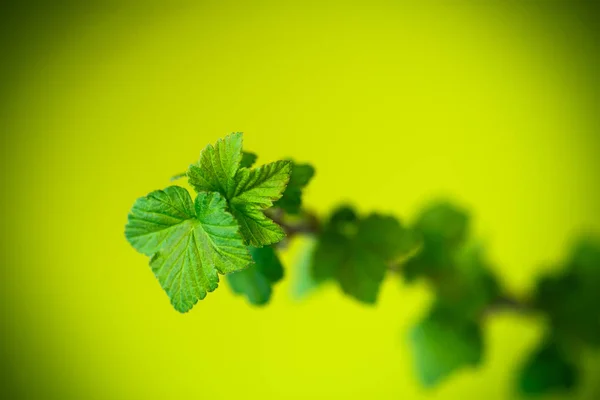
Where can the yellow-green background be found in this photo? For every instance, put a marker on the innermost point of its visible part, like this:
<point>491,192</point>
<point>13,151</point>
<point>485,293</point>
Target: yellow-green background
<point>492,104</point>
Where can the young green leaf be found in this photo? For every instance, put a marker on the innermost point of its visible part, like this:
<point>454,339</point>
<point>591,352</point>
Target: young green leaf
<point>256,281</point>
<point>248,159</point>
<point>291,201</point>
<point>443,343</point>
<point>248,191</point>
<point>217,167</point>
<point>548,370</point>
<point>256,190</point>
<point>189,242</point>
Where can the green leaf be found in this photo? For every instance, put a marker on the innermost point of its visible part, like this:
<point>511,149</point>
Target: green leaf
<point>357,252</point>
<point>256,190</point>
<point>443,343</point>
<point>360,275</point>
<point>469,287</point>
<point>385,236</point>
<point>333,244</point>
<point>444,222</point>
<point>443,228</point>
<point>303,281</point>
<point>256,281</point>
<point>248,191</point>
<point>572,296</point>
<point>548,370</point>
<point>248,159</point>
<point>189,242</point>
<point>291,201</point>
<point>218,166</point>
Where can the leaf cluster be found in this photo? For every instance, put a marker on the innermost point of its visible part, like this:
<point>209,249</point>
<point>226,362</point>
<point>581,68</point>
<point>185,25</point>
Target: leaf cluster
<point>569,299</point>
<point>241,214</point>
<point>222,231</point>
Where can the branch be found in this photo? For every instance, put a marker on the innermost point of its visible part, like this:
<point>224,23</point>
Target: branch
<point>306,222</point>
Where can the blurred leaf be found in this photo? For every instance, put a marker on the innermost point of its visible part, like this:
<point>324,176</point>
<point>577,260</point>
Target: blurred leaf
<point>357,253</point>
<point>255,281</point>
<point>443,343</point>
<point>248,191</point>
<point>291,201</point>
<point>443,229</point>
<point>303,281</point>
<point>178,176</point>
<point>572,297</point>
<point>385,236</point>
<point>361,274</point>
<point>332,243</point>
<point>248,159</point>
<point>469,287</point>
<point>547,370</point>
<point>444,222</point>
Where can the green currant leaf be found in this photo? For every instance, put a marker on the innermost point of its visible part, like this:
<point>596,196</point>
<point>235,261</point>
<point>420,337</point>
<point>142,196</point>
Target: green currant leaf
<point>256,281</point>
<point>548,370</point>
<point>189,242</point>
<point>291,201</point>
<point>256,190</point>
<point>248,191</point>
<point>248,160</point>
<point>443,343</point>
<point>218,166</point>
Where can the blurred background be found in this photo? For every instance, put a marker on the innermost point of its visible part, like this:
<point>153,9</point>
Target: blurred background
<point>493,105</point>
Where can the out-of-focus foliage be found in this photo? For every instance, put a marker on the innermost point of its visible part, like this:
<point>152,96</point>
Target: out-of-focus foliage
<point>256,281</point>
<point>571,298</point>
<point>548,369</point>
<point>291,201</point>
<point>444,342</point>
<point>571,301</point>
<point>450,337</point>
<point>357,252</point>
<point>443,229</point>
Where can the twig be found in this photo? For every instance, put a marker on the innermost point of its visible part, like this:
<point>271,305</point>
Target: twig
<point>306,223</point>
